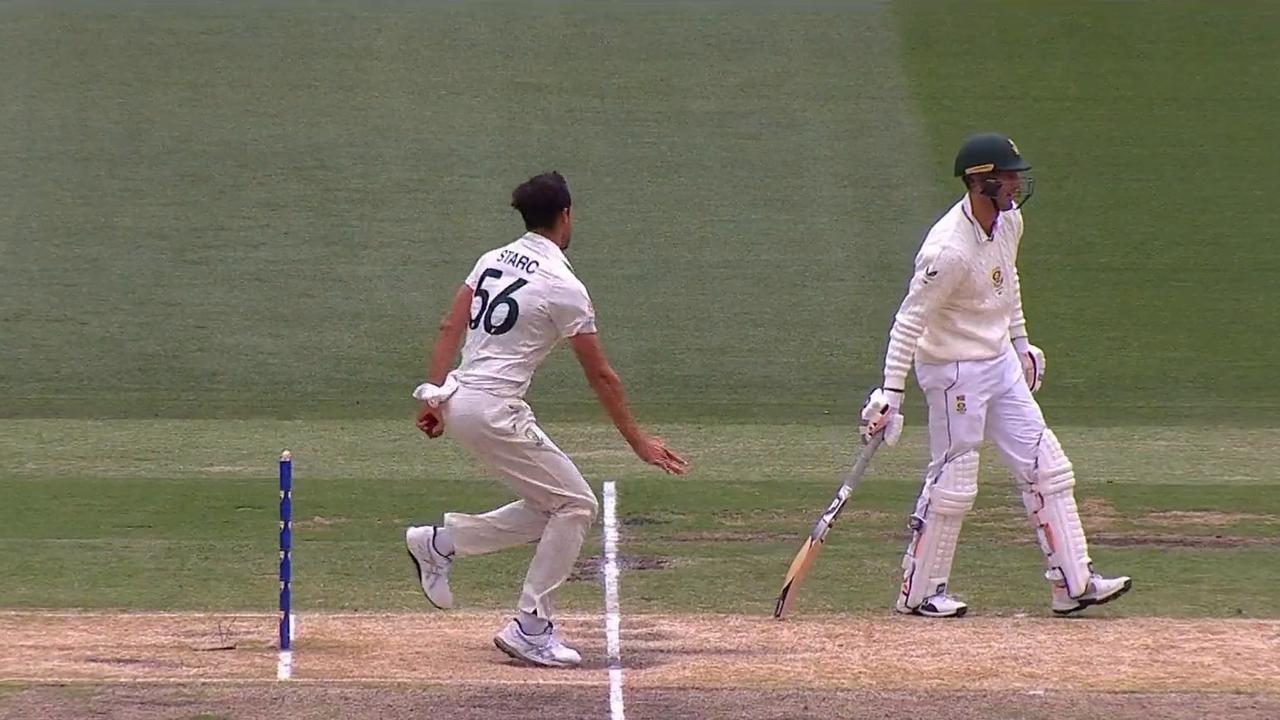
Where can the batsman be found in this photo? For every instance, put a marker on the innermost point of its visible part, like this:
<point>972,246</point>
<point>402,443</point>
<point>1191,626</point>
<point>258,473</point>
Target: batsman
<point>962,325</point>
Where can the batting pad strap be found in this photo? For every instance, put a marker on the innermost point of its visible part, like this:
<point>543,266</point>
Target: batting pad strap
<point>1051,505</point>
<point>940,511</point>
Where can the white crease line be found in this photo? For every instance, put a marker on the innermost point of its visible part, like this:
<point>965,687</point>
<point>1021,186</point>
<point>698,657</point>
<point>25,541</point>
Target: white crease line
<point>451,682</point>
<point>284,665</point>
<point>612,612</point>
<point>237,615</point>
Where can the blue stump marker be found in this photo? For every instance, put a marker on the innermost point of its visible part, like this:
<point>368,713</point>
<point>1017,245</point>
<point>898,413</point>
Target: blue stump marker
<point>284,667</point>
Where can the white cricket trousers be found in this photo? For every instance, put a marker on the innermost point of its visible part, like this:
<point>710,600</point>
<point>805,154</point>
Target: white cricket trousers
<point>970,400</point>
<point>556,506</point>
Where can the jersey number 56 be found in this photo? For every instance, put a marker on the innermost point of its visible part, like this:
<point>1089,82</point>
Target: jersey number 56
<point>484,313</point>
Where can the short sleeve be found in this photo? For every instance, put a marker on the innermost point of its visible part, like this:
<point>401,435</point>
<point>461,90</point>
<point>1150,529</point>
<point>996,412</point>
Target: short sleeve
<point>474,278</point>
<point>572,312</point>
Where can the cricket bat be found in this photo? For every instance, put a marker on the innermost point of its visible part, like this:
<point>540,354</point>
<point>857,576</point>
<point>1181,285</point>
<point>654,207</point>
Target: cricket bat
<point>813,544</point>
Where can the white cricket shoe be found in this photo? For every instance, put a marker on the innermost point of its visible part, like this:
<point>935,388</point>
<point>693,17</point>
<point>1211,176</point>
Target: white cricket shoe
<point>1101,590</point>
<point>431,564</point>
<point>940,605</point>
<point>543,649</point>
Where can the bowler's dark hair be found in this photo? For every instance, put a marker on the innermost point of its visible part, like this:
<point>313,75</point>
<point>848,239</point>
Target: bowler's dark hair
<point>540,198</point>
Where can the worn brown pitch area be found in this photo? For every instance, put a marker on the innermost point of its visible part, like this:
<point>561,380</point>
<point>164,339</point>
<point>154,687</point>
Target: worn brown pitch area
<point>143,666</point>
<point>125,701</point>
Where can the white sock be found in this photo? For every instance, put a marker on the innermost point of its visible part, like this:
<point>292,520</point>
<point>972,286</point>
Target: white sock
<point>531,624</point>
<point>443,544</point>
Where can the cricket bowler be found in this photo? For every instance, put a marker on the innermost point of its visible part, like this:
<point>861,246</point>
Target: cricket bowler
<point>518,302</point>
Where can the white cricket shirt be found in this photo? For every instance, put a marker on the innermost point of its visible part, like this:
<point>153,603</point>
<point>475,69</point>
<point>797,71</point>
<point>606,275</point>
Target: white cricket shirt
<point>964,301</point>
<point>526,298</point>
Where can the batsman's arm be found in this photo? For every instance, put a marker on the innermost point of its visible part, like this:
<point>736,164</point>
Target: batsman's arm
<point>935,276</point>
<point>453,327</point>
<point>1018,321</point>
<point>1031,357</point>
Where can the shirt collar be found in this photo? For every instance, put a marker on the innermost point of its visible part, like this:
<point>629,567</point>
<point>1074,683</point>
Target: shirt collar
<point>966,207</point>
<point>545,245</point>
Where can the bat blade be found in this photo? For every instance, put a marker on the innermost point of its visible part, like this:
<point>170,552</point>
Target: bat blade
<point>809,552</point>
<point>812,545</point>
<point>795,575</point>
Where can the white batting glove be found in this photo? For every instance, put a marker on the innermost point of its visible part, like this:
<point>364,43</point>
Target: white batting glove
<point>1033,367</point>
<point>881,414</point>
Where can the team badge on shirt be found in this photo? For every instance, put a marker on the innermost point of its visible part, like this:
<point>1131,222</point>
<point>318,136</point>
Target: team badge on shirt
<point>997,280</point>
<point>962,407</point>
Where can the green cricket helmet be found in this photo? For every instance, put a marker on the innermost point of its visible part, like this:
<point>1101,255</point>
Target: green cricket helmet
<point>989,152</point>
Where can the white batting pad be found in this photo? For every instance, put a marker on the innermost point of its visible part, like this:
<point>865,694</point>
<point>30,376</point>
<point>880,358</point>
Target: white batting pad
<point>940,511</point>
<point>1051,505</point>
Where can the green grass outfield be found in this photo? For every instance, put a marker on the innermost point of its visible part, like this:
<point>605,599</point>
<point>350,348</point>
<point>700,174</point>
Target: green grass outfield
<point>163,514</point>
<point>229,228</point>
<point>245,211</point>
